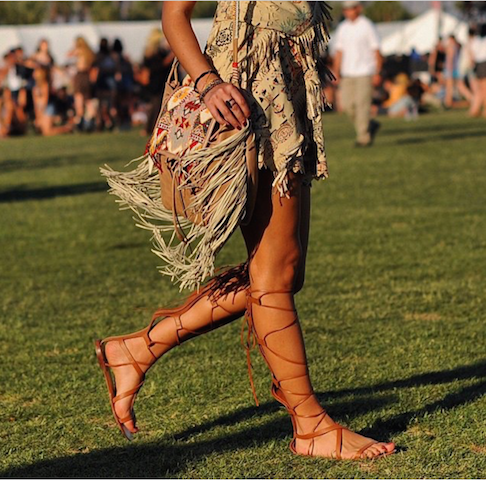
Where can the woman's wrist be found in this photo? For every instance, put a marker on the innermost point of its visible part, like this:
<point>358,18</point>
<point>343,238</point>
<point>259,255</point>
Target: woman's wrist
<point>209,86</point>
<point>207,73</point>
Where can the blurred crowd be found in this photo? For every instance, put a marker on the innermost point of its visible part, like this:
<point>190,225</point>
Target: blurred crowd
<point>88,91</point>
<point>103,90</point>
<point>452,75</point>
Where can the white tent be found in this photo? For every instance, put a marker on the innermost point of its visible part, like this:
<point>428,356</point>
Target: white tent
<point>422,33</point>
<point>9,38</point>
<point>61,36</point>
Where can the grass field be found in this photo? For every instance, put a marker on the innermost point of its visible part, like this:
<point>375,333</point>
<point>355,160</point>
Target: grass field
<point>393,313</point>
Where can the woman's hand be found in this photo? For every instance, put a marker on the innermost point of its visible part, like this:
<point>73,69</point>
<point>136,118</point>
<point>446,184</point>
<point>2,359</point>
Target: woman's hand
<point>227,105</point>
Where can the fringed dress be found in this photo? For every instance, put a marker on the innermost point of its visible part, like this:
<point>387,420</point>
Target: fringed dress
<point>281,45</point>
<point>280,54</point>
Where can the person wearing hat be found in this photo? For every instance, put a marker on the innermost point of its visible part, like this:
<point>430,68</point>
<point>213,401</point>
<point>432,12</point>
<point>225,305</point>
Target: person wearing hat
<point>357,66</point>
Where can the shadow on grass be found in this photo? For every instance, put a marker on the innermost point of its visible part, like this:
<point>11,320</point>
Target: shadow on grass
<point>21,193</point>
<point>441,138</point>
<point>57,161</point>
<point>419,128</point>
<point>168,458</point>
<point>39,163</point>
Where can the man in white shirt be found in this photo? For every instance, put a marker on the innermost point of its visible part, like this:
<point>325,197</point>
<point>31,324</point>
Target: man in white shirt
<point>357,66</point>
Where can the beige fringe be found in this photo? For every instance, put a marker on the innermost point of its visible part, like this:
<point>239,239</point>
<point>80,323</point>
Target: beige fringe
<point>188,263</point>
<point>311,45</point>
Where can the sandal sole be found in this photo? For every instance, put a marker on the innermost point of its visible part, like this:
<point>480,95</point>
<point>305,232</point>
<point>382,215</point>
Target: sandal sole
<point>111,389</point>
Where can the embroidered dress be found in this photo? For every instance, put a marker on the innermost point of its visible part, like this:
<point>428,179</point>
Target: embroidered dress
<point>280,47</point>
<point>280,44</point>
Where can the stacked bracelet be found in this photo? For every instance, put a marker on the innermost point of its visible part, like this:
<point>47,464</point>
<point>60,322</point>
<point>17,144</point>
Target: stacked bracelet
<point>209,86</point>
<point>207,72</point>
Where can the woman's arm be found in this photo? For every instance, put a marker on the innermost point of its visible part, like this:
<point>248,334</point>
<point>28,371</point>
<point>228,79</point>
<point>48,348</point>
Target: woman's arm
<point>176,24</point>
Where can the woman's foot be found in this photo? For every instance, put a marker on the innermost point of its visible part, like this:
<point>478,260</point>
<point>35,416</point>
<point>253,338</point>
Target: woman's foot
<point>352,446</point>
<point>120,356</point>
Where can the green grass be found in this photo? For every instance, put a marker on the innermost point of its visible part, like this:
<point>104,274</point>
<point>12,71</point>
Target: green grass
<point>393,313</point>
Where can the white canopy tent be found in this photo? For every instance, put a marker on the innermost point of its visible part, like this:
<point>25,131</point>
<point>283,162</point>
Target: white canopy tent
<point>422,33</point>
<point>61,37</point>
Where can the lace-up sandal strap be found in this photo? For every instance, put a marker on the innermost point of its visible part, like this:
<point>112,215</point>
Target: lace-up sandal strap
<point>360,452</point>
<point>293,410</point>
<point>252,338</point>
<point>339,437</point>
<point>128,393</point>
<point>130,357</point>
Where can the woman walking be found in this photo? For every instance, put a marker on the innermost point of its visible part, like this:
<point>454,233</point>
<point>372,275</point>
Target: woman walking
<point>281,96</point>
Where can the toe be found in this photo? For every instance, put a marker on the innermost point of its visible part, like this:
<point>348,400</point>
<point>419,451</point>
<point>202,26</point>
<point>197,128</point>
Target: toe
<point>390,447</point>
<point>131,426</point>
<point>378,449</point>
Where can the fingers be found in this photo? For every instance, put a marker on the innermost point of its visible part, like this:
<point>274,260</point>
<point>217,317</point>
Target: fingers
<point>220,98</point>
<point>228,114</point>
<point>240,100</point>
<point>216,114</point>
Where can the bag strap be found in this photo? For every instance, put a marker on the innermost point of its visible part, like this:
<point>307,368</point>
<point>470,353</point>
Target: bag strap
<point>235,76</point>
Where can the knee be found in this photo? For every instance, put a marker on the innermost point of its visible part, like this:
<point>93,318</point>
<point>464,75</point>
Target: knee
<point>277,272</point>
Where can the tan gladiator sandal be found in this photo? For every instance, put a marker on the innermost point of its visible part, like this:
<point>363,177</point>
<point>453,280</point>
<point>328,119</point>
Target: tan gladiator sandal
<point>145,334</point>
<point>252,340</point>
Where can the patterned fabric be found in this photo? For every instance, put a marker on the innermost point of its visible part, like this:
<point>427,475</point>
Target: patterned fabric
<point>186,111</point>
<point>280,44</point>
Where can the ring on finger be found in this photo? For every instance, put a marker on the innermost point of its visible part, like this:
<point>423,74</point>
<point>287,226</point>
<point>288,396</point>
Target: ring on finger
<point>230,103</point>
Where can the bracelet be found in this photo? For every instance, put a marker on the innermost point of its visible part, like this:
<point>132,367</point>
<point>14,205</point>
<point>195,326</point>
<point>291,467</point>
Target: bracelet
<point>209,86</point>
<point>203,75</point>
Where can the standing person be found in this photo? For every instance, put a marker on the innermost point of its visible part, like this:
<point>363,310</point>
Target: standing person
<point>357,67</point>
<point>103,75</point>
<point>124,85</point>
<point>451,71</point>
<point>156,66</point>
<point>281,94</point>
<point>436,62</point>
<point>14,96</point>
<point>478,52</point>
<point>82,85</point>
<point>42,56</point>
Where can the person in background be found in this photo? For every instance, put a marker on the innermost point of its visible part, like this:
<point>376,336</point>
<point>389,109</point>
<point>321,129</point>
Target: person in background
<point>42,56</point>
<point>14,96</point>
<point>46,104</point>
<point>399,103</point>
<point>467,83</point>
<point>437,62</point>
<point>105,85</point>
<point>478,52</point>
<point>82,86</point>
<point>451,70</point>
<point>357,66</point>
<point>124,86</point>
<point>156,67</point>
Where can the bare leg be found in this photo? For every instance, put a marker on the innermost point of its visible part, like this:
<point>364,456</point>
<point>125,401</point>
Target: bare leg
<point>275,251</point>
<point>475,108</point>
<point>78,106</point>
<point>482,86</point>
<point>224,302</point>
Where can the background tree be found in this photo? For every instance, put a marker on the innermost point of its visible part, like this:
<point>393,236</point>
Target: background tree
<point>101,11</point>
<point>387,12</point>
<point>22,13</point>
<point>204,9</point>
<point>144,11</point>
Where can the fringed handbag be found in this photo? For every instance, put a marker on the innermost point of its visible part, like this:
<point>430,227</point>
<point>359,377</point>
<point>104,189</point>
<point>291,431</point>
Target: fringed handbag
<point>202,187</point>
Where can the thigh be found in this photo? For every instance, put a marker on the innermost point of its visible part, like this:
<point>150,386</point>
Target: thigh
<point>347,94</point>
<point>363,91</point>
<point>274,232</point>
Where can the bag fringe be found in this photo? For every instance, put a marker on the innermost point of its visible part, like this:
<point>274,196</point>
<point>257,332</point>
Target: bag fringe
<point>191,262</point>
